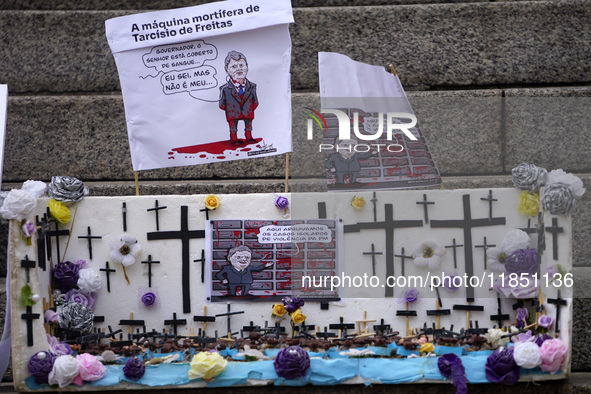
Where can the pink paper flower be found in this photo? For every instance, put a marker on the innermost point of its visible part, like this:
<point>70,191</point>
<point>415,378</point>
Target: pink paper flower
<point>91,368</point>
<point>553,353</point>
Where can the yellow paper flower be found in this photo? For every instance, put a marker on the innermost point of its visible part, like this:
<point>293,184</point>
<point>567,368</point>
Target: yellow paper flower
<point>59,211</point>
<point>427,348</point>
<point>529,203</point>
<point>279,310</point>
<point>298,317</point>
<point>357,202</point>
<point>206,365</point>
<point>212,202</point>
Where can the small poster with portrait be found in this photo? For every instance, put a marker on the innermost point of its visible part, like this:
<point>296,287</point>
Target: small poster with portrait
<point>267,260</point>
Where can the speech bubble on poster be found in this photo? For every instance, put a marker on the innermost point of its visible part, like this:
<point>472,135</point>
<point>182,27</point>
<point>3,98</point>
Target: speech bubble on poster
<point>178,57</point>
<point>295,233</point>
<point>200,78</point>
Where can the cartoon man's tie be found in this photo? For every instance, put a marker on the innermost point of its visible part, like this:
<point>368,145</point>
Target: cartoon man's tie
<point>241,91</point>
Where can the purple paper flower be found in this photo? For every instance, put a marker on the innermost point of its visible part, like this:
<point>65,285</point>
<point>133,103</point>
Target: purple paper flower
<point>65,275</point>
<point>149,298</point>
<point>292,304</point>
<point>28,228</point>
<point>292,362</point>
<point>76,295</point>
<point>134,369</point>
<point>541,338</point>
<point>522,315</point>
<point>58,348</point>
<point>500,367</point>
<point>40,365</point>
<point>81,263</point>
<point>411,295</point>
<point>281,202</point>
<point>523,337</point>
<point>545,321</point>
<point>448,283</point>
<point>451,365</point>
<point>522,261</point>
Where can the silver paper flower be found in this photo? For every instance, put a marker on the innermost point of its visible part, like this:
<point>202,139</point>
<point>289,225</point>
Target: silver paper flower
<point>529,177</point>
<point>75,316</point>
<point>559,199</point>
<point>67,189</point>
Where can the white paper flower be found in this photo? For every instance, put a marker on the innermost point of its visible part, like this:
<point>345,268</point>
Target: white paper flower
<point>495,259</point>
<point>494,337</point>
<point>36,188</point>
<point>19,204</point>
<point>428,254</point>
<point>559,176</point>
<point>515,240</point>
<point>64,371</point>
<point>125,250</point>
<point>89,280</point>
<point>527,355</point>
<point>357,352</point>
<point>252,353</point>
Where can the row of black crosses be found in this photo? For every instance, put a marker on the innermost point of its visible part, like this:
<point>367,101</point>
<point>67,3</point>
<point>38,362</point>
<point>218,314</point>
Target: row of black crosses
<point>45,253</point>
<point>184,235</point>
<point>466,223</point>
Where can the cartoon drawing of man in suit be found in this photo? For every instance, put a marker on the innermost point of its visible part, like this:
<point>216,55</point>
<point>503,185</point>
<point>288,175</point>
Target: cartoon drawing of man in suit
<point>345,161</point>
<point>239,272</point>
<point>238,97</point>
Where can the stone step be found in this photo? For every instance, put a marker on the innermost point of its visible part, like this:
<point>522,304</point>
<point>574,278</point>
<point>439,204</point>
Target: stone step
<point>67,5</point>
<point>476,132</point>
<point>431,45</point>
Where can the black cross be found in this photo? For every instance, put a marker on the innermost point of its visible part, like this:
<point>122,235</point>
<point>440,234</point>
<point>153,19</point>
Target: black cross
<point>150,262</point>
<point>425,205</point>
<point>90,237</point>
<point>484,247</point>
<point>156,209</point>
<point>389,224</point>
<point>131,322</point>
<point>555,230</point>
<point>322,210</point>
<point>373,254</point>
<point>467,223</point>
<point>541,229</point>
<point>438,312</point>
<point>206,212</point>
<point>124,213</point>
<point>185,235</point>
<point>175,322</point>
<point>108,271</point>
<point>454,246</point>
<point>251,327</point>
<point>57,234</point>
<point>499,317</point>
<point>558,302</point>
<point>384,328</point>
<point>202,260</point>
<point>403,257</point>
<point>27,264</point>
<point>490,200</point>
<point>229,315</point>
<point>374,201</point>
<point>529,229</point>
<point>42,227</point>
<point>29,317</point>
<point>342,326</point>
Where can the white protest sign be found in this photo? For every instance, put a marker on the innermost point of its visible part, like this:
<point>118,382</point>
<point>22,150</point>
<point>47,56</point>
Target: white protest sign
<point>296,233</point>
<point>205,84</point>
